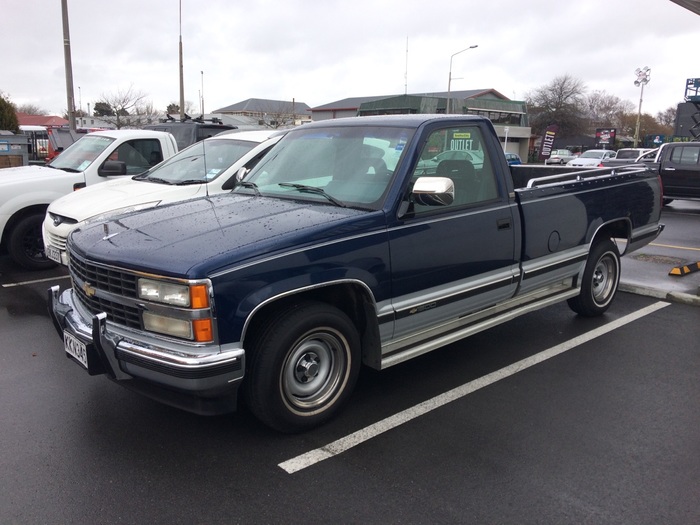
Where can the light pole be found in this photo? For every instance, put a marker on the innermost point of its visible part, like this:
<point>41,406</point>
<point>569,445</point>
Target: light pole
<point>202,101</point>
<point>642,80</point>
<point>449,78</point>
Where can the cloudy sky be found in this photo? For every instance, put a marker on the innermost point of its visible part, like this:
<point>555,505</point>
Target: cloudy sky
<point>322,51</point>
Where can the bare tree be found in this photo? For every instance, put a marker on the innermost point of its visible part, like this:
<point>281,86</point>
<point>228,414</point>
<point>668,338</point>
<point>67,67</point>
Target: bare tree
<point>123,103</point>
<point>561,102</point>
<point>31,109</point>
<point>606,111</point>
<point>278,114</point>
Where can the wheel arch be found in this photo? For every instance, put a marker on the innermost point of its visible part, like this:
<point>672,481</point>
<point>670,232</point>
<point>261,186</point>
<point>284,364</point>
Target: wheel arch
<point>615,229</point>
<point>352,297</point>
<point>18,216</point>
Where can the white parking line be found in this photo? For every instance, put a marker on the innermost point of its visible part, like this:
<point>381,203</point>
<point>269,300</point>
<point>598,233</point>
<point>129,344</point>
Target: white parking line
<point>12,285</point>
<point>341,445</point>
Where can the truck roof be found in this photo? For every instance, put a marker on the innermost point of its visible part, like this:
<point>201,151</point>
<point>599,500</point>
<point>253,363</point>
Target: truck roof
<point>128,133</point>
<point>411,121</point>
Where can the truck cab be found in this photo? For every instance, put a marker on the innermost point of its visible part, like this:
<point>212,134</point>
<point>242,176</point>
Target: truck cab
<point>679,166</point>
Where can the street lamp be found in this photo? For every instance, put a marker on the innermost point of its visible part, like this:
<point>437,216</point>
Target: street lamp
<point>202,99</point>
<point>449,78</point>
<point>642,80</point>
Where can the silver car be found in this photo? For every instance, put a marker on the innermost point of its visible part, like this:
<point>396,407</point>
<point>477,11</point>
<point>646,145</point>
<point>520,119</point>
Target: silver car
<point>560,156</point>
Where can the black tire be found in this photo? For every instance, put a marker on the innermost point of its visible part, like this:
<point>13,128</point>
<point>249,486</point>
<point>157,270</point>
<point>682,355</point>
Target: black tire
<point>302,367</point>
<point>600,280</point>
<point>26,245</point>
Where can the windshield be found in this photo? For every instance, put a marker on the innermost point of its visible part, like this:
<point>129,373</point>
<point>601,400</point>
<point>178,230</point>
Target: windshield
<point>202,162</point>
<point>82,153</point>
<point>592,154</point>
<point>628,153</point>
<point>345,166</point>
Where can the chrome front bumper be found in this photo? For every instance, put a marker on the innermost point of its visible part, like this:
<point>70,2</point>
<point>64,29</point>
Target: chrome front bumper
<point>202,380</point>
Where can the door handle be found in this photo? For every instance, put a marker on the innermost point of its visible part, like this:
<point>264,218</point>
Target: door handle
<point>503,224</point>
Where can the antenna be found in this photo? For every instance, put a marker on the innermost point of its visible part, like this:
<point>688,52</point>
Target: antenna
<point>405,75</point>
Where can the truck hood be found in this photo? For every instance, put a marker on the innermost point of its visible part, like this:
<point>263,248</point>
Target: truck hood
<point>119,194</point>
<point>33,173</point>
<point>200,236</point>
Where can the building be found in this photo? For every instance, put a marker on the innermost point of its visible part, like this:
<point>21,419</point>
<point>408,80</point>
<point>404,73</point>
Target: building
<point>270,113</point>
<point>509,117</point>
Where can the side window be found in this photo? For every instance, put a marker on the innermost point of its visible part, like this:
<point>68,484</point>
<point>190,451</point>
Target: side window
<point>458,154</point>
<point>139,155</point>
<point>687,155</point>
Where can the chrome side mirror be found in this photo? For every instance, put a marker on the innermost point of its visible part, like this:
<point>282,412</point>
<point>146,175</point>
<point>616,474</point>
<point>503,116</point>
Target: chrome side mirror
<point>434,191</point>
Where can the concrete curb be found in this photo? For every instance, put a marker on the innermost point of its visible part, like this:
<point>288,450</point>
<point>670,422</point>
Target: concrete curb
<point>676,297</point>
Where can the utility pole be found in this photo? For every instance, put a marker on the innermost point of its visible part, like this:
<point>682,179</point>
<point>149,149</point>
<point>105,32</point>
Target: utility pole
<point>182,81</point>
<point>70,97</point>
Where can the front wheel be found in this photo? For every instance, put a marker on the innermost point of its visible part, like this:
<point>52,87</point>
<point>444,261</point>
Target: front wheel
<point>600,280</point>
<point>26,246</point>
<point>303,367</point>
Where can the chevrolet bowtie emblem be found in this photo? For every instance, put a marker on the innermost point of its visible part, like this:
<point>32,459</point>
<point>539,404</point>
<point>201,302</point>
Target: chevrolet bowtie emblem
<point>88,289</point>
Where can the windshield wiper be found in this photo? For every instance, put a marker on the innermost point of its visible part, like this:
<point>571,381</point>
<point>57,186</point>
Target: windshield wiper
<point>69,170</point>
<point>313,189</point>
<point>189,181</point>
<point>250,185</point>
<point>156,179</point>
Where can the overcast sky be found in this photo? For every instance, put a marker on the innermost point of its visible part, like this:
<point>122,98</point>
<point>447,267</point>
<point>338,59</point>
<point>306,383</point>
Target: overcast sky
<point>321,51</point>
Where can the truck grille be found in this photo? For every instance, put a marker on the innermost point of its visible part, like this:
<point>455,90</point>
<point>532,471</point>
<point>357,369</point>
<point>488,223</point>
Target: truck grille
<point>97,279</point>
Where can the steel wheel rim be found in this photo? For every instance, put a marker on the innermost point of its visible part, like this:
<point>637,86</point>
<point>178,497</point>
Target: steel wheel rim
<point>315,370</point>
<point>604,278</point>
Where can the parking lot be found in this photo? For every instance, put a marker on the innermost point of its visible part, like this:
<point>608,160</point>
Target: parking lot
<point>550,418</point>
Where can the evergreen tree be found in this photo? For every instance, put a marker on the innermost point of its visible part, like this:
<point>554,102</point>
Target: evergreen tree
<point>8,115</point>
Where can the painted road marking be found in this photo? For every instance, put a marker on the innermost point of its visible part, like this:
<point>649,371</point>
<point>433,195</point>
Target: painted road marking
<point>12,285</point>
<point>674,247</point>
<point>339,446</point>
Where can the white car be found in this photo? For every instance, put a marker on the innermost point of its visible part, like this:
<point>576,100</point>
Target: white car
<point>593,158</point>
<point>207,167</point>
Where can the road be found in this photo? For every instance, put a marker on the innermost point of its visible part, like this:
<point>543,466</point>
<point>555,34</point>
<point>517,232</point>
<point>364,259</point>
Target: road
<point>550,418</point>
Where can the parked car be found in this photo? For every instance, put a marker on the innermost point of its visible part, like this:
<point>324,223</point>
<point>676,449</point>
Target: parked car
<point>625,156</point>
<point>513,159</point>
<point>593,158</point>
<point>560,156</point>
<point>678,163</point>
<point>205,168</point>
<point>188,132</point>
<point>94,159</point>
<point>429,166</point>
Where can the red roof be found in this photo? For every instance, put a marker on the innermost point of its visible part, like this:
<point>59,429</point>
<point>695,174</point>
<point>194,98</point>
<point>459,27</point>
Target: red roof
<point>40,120</point>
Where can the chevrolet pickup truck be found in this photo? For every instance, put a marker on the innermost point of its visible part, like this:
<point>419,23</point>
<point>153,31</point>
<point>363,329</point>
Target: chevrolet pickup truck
<point>336,251</point>
<point>27,191</point>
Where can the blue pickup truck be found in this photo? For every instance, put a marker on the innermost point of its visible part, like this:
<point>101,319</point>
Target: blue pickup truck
<point>344,246</point>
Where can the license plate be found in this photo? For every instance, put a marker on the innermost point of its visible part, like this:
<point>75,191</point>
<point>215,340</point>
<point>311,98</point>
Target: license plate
<point>53,253</point>
<point>75,348</point>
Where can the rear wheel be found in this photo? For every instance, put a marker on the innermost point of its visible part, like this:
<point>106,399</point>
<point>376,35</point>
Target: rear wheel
<point>26,246</point>
<point>303,367</point>
<point>600,280</point>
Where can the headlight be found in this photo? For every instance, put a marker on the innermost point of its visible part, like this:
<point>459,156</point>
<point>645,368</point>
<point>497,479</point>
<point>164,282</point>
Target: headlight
<point>167,325</point>
<point>187,296</point>
<point>193,319</point>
